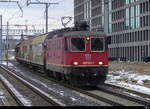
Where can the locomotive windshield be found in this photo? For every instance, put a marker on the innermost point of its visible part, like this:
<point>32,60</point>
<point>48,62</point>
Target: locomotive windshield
<point>97,44</point>
<point>78,44</point>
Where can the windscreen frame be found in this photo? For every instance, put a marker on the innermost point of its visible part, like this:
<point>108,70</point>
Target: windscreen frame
<point>76,38</point>
<point>103,44</point>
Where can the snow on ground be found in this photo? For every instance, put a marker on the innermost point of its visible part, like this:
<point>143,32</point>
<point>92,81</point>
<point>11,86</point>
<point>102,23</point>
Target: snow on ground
<point>1,93</point>
<point>5,63</point>
<point>129,79</point>
<point>61,93</point>
<point>12,57</point>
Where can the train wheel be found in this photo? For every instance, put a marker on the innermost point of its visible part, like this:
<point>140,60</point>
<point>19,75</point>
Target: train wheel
<point>46,72</point>
<point>59,77</point>
<point>54,75</point>
<point>63,79</point>
<point>67,79</point>
<point>51,74</point>
<point>71,80</point>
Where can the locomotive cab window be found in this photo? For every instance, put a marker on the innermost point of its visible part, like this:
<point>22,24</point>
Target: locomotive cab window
<point>97,44</point>
<point>78,44</point>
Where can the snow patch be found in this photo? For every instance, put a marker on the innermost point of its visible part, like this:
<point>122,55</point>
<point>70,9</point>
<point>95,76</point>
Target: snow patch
<point>12,57</point>
<point>73,99</point>
<point>1,93</point>
<point>5,63</point>
<point>62,93</point>
<point>129,79</point>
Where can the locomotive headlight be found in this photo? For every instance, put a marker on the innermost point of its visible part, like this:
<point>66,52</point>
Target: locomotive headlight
<point>75,63</point>
<point>100,63</point>
<point>88,38</point>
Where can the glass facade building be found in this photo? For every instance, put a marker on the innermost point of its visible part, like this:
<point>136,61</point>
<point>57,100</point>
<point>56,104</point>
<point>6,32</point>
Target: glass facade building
<point>91,11</point>
<point>130,29</point>
<point>128,24</point>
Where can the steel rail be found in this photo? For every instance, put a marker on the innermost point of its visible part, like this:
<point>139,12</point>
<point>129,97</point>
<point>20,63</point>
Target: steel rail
<point>138,92</point>
<point>113,103</point>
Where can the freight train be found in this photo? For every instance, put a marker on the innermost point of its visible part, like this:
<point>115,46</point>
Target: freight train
<point>73,55</point>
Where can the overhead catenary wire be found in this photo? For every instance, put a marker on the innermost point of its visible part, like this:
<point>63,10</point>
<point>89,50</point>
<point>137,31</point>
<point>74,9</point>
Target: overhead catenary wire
<point>47,4</point>
<point>6,9</point>
<point>17,2</point>
<point>20,8</point>
<point>14,16</point>
<point>7,36</point>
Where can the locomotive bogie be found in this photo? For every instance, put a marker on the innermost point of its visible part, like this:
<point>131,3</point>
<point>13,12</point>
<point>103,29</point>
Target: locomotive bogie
<point>79,76</point>
<point>88,76</point>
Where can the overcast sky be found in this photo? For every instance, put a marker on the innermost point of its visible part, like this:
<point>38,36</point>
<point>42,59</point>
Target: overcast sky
<point>34,14</point>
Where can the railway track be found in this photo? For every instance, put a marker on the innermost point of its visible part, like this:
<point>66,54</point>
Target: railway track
<point>6,99</point>
<point>24,93</point>
<point>112,95</point>
<point>108,97</point>
<point>69,97</point>
<point>132,95</point>
<point>134,91</point>
<point>104,96</point>
<point>112,98</point>
<point>90,94</point>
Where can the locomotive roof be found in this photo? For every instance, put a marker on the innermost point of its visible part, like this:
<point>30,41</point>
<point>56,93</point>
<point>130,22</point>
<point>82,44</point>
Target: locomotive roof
<point>75,33</point>
<point>84,33</point>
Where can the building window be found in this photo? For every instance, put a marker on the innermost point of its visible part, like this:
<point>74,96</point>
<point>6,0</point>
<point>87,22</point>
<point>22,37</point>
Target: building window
<point>127,2</point>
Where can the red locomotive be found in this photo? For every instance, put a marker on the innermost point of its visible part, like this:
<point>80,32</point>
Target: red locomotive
<point>75,55</point>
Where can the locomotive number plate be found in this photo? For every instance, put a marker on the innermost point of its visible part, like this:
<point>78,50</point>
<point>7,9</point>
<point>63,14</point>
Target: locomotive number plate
<point>85,63</point>
<point>88,57</point>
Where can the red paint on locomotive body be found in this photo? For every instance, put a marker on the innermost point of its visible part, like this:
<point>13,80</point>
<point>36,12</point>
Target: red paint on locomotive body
<point>87,57</point>
<point>82,61</point>
<point>57,55</point>
<point>55,51</point>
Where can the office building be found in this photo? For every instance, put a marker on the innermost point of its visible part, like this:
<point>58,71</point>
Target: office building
<point>130,29</point>
<point>127,22</point>
<point>91,11</point>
